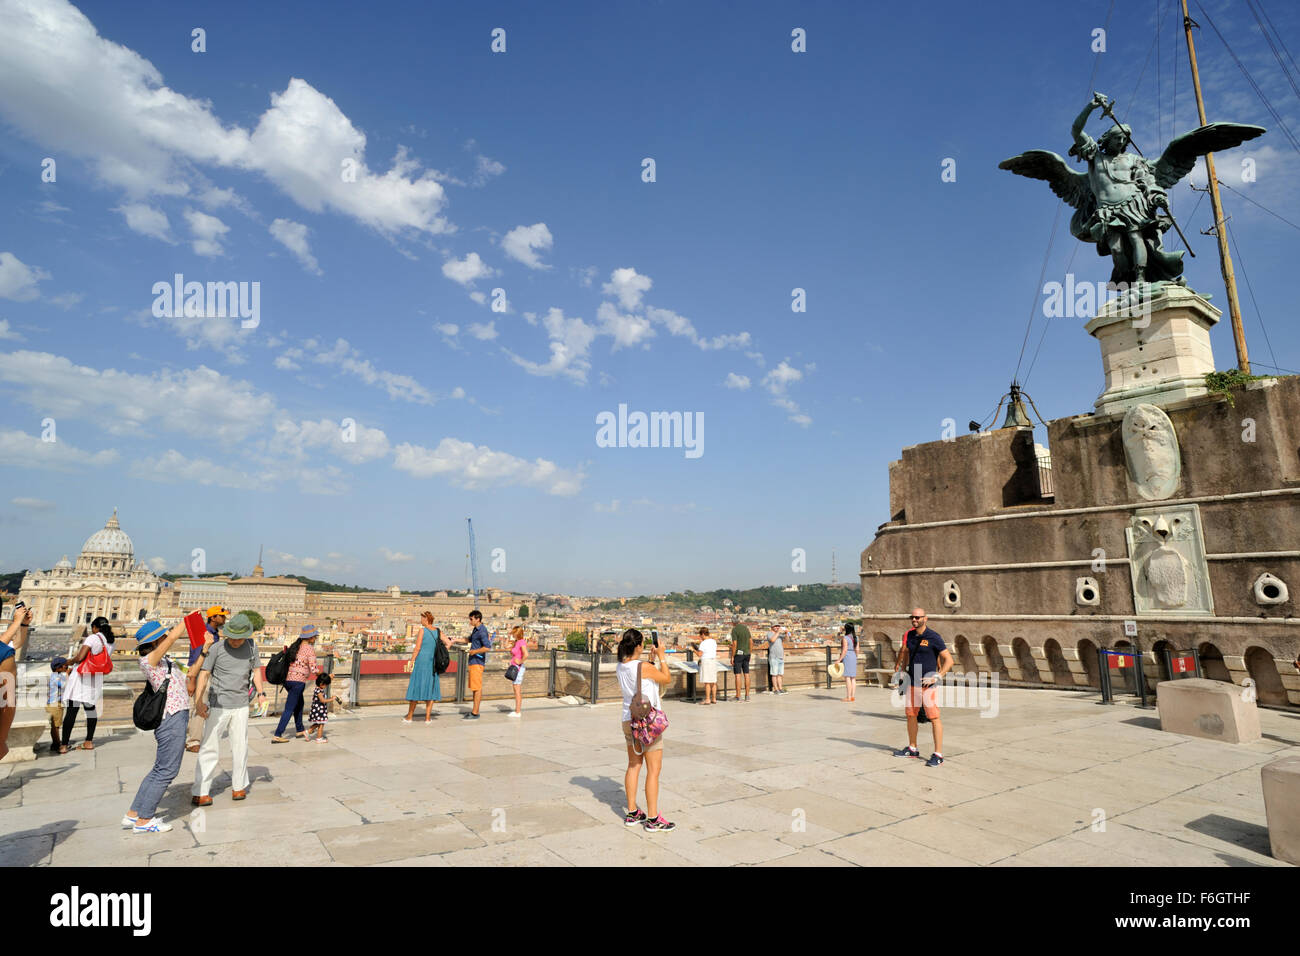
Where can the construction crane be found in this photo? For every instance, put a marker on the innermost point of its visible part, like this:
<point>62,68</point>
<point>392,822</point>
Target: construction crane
<point>472,558</point>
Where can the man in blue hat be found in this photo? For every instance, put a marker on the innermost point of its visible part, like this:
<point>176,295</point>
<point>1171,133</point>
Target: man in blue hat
<point>221,698</point>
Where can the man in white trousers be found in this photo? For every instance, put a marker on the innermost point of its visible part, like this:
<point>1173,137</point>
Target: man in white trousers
<point>221,698</point>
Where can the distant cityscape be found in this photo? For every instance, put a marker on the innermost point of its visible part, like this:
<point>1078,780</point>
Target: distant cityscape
<point>106,580</point>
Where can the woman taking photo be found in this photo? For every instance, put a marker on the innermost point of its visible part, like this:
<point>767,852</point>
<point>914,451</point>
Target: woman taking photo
<point>849,657</point>
<point>153,640</point>
<point>15,637</point>
<point>424,687</point>
<point>86,682</point>
<point>518,654</point>
<point>654,674</point>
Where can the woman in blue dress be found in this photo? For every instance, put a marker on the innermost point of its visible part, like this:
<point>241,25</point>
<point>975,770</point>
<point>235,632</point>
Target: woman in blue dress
<point>849,655</point>
<point>423,685</point>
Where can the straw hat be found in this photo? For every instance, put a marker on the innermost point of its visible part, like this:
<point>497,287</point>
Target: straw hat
<point>836,670</point>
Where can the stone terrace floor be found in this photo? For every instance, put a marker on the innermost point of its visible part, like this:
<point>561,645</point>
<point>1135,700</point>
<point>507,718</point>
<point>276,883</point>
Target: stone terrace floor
<point>1020,789</point>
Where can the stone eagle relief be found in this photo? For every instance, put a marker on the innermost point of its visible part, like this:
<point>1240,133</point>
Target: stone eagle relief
<point>1151,451</point>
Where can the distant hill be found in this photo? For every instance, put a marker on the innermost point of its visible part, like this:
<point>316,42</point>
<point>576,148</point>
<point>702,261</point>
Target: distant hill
<point>810,597</point>
<point>11,581</point>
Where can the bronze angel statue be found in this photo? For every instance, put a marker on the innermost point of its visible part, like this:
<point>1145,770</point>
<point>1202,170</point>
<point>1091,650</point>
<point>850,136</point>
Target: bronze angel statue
<point>1121,203</point>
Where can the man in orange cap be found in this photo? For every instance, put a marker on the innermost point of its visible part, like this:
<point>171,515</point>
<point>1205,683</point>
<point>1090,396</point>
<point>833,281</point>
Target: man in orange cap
<point>216,616</point>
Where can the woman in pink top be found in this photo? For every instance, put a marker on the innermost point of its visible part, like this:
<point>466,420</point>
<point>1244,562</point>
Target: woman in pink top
<point>518,654</point>
<point>152,641</point>
<point>302,669</point>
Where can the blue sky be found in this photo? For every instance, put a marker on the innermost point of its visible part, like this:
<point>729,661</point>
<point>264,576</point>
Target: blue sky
<point>522,171</point>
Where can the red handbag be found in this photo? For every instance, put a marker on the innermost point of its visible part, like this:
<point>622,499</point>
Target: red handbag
<point>99,663</point>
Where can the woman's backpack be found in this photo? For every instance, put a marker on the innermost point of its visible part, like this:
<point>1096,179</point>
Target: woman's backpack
<point>147,712</point>
<point>648,721</point>
<point>441,657</point>
<point>277,668</point>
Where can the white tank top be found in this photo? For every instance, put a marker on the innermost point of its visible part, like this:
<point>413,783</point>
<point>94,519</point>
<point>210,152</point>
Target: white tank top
<point>627,681</point>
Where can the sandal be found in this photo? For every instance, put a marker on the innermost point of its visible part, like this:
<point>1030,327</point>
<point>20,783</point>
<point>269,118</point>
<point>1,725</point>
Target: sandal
<point>63,750</point>
<point>192,748</point>
<point>88,745</point>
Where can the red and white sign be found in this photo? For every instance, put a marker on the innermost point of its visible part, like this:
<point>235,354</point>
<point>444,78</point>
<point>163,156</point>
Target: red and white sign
<point>1184,665</point>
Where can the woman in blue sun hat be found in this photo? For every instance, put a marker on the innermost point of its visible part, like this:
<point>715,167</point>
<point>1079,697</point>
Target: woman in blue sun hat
<point>152,642</point>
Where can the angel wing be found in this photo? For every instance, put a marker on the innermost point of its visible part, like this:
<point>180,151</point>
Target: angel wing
<point>1044,164</point>
<point>1181,154</point>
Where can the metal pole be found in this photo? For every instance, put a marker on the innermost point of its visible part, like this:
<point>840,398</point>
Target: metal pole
<point>828,668</point>
<point>1141,676</point>
<point>1196,661</point>
<point>461,668</point>
<point>1103,665</point>
<point>690,678</point>
<point>1169,663</point>
<point>356,678</point>
<point>595,675</point>
<point>550,684</point>
<point>1220,231</point>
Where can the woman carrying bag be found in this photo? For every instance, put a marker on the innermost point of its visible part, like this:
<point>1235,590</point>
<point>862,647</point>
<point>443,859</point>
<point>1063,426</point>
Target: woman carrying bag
<point>152,641</point>
<point>85,686</point>
<point>424,686</point>
<point>643,731</point>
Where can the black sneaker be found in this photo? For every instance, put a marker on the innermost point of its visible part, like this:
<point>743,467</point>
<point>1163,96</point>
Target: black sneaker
<point>934,760</point>
<point>471,717</point>
<point>633,818</point>
<point>659,824</point>
<point>908,751</point>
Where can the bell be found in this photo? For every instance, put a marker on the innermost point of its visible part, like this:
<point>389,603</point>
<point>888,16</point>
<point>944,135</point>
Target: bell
<point>1017,414</point>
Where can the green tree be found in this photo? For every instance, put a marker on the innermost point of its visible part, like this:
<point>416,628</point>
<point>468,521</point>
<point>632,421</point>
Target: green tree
<point>576,640</point>
<point>258,621</point>
<point>523,612</point>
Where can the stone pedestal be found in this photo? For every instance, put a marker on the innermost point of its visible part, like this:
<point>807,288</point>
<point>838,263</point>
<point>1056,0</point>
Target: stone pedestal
<point>1207,708</point>
<point>23,736</point>
<point>1157,351</point>
<point>1281,780</point>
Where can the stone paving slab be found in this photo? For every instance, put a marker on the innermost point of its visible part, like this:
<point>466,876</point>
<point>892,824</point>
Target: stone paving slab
<point>798,780</point>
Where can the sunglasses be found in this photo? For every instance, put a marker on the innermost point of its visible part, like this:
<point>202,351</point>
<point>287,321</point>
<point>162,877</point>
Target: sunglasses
<point>918,617</point>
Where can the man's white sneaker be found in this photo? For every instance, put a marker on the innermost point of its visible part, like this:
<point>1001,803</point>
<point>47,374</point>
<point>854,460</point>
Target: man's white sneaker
<point>156,825</point>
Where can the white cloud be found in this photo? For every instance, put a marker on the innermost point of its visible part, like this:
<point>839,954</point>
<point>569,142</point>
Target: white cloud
<point>366,444</point>
<point>158,565</point>
<point>610,508</point>
<point>396,557</point>
<point>198,401</point>
<point>172,467</point>
<point>8,333</point>
<point>476,467</point>
<point>344,357</point>
<point>467,270</point>
<point>484,332</point>
<point>570,345</point>
<point>293,236</point>
<point>626,330</point>
<point>33,504</point>
<point>77,93</point>
<point>485,169</point>
<point>522,244</point>
<point>207,231</point>
<point>29,451</point>
<point>66,300</point>
<point>682,327</point>
<point>17,280</point>
<point>629,286</point>
<point>740,382</point>
<point>146,220</point>
<point>777,381</point>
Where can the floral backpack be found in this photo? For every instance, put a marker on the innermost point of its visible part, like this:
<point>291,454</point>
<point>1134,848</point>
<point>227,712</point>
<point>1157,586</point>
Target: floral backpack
<point>648,721</point>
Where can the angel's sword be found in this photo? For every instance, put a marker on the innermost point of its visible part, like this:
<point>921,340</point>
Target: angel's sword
<point>1108,111</point>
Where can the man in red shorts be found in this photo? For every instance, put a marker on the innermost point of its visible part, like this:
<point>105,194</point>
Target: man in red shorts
<point>924,659</point>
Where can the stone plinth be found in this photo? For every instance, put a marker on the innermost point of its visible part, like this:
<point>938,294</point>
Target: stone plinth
<point>23,736</point>
<point>1281,780</point>
<point>1157,351</point>
<point>1207,708</point>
